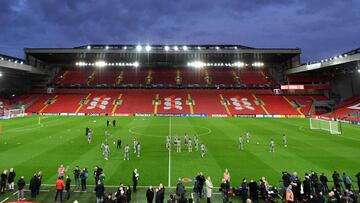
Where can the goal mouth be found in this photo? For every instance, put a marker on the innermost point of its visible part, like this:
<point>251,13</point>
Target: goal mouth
<point>326,124</point>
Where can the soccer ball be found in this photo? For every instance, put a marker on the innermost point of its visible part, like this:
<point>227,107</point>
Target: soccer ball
<point>257,143</point>
<point>114,143</point>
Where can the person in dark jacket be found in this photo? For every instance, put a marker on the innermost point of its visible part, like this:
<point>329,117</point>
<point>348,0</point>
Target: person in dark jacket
<point>336,180</point>
<point>67,187</point>
<point>180,189</point>
<point>39,176</point>
<point>109,199</point>
<point>114,123</point>
<point>160,194</point>
<point>150,194</point>
<point>135,178</point>
<point>77,177</point>
<point>324,181</point>
<point>201,179</point>
<point>3,179</point>
<point>99,192</point>
<point>224,189</point>
<point>307,187</point>
<point>128,193</point>
<point>11,179</point>
<point>254,191</point>
<point>171,199</point>
<point>83,176</point>
<point>21,185</point>
<point>33,186</point>
<point>244,190</point>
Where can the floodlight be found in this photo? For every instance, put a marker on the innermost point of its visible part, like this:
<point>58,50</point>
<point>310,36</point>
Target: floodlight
<point>21,62</point>
<point>358,70</point>
<point>100,64</point>
<point>0,74</point>
<point>217,48</point>
<point>125,47</point>
<point>107,47</point>
<point>148,48</point>
<point>199,48</point>
<point>13,95</point>
<point>235,47</point>
<point>88,47</point>
<point>136,64</point>
<point>138,48</point>
<point>345,55</point>
<point>340,56</point>
<point>176,48</point>
<point>167,48</point>
<point>185,48</point>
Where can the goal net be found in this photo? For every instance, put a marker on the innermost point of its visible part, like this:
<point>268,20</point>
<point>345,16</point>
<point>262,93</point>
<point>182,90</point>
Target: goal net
<point>334,127</point>
<point>14,113</point>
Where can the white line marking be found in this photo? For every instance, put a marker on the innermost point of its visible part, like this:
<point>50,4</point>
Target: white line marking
<point>9,197</point>
<point>169,184</point>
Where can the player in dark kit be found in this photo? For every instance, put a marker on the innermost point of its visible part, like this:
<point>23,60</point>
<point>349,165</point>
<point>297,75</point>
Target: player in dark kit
<point>118,144</point>
<point>114,123</point>
<point>107,123</point>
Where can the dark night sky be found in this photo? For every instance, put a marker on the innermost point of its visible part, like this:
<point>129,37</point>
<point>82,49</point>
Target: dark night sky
<point>321,28</point>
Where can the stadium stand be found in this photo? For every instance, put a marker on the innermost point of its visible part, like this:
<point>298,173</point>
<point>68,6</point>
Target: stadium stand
<point>349,109</point>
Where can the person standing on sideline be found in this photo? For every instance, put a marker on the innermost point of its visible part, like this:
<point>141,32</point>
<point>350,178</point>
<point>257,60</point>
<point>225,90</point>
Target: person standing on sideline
<point>150,194</point>
<point>61,171</point>
<point>59,189</point>
<point>347,181</point>
<point>84,174</point>
<point>209,189</point>
<point>33,186</point>
<point>160,194</point>
<point>67,187</point>
<point>358,180</point>
<point>135,179</point>
<point>21,185</point>
<point>107,123</point>
<point>289,194</point>
<point>11,179</point>
<point>99,192</point>
<point>77,177</point>
<point>227,175</point>
<point>3,180</point>
<point>114,123</point>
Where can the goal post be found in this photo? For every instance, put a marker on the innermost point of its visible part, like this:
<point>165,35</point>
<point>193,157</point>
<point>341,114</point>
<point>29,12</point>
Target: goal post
<point>14,113</point>
<point>334,127</point>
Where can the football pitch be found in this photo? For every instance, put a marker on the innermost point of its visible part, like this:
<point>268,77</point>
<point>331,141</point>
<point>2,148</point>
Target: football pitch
<point>29,147</point>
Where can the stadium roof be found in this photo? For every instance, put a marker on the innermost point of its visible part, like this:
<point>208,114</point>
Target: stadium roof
<point>345,62</point>
<point>160,54</point>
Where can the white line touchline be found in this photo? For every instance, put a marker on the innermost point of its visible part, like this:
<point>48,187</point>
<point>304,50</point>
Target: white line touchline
<point>9,197</point>
<point>169,184</point>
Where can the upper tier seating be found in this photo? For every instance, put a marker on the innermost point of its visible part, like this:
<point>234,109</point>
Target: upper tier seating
<point>348,109</point>
<point>172,76</point>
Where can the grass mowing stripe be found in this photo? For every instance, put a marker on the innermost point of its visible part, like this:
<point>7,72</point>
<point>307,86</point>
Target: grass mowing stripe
<point>169,183</point>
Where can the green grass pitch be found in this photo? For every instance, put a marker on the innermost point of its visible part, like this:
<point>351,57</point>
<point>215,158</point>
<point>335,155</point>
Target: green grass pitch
<point>29,147</point>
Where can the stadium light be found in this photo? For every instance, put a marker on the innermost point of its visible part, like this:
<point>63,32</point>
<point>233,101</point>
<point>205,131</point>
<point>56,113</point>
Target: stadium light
<point>2,58</point>
<point>21,62</point>
<point>199,48</point>
<point>136,64</point>
<point>138,48</point>
<point>176,48</point>
<point>235,47</point>
<point>88,47</point>
<point>258,64</point>
<point>185,48</point>
<point>358,70</point>
<point>100,64</point>
<point>148,48</point>
<point>107,47</point>
<point>125,47</point>
<point>217,48</point>
<point>239,64</point>
<point>167,48</point>
<point>0,74</point>
<point>196,64</point>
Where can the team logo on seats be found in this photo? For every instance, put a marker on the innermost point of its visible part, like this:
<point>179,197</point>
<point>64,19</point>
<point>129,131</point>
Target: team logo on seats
<point>172,103</point>
<point>99,102</point>
<point>241,103</point>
